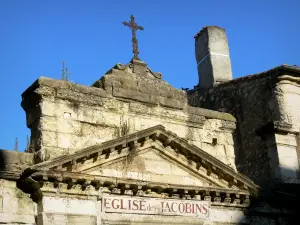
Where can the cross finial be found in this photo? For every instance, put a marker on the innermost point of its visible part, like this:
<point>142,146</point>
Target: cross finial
<point>134,27</point>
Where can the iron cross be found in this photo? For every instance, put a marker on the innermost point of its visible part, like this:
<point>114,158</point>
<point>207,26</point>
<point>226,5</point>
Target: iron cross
<point>134,27</point>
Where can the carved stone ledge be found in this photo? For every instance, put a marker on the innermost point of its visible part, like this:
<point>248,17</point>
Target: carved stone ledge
<point>217,199</point>
<point>188,197</point>
<point>140,193</point>
<point>175,196</point>
<point>198,159</point>
<point>207,198</point>
<point>197,197</point>
<point>236,201</point>
<point>105,190</point>
<point>246,200</point>
<point>116,191</point>
<point>128,192</point>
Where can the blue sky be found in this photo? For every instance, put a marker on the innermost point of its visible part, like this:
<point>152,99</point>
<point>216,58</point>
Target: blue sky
<point>37,35</point>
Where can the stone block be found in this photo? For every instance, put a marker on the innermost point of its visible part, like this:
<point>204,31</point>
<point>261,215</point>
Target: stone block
<point>52,218</point>
<point>171,103</point>
<point>49,138</point>
<point>1,203</point>
<point>289,140</point>
<point>133,95</point>
<point>15,206</point>
<point>81,219</point>
<point>69,206</point>
<point>288,163</point>
<point>64,125</point>
<point>67,140</point>
<point>77,98</point>
<point>97,131</point>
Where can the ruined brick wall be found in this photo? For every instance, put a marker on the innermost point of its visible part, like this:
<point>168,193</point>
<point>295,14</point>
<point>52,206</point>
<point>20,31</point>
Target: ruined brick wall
<point>253,103</point>
<point>65,117</point>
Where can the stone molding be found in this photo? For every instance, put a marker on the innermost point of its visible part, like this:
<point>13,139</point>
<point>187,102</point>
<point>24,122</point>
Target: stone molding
<point>38,183</point>
<point>274,74</point>
<point>195,156</point>
<point>59,89</point>
<point>131,65</point>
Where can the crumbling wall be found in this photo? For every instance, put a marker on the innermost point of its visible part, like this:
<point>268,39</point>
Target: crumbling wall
<point>65,117</point>
<point>14,161</point>
<point>16,207</point>
<point>254,104</point>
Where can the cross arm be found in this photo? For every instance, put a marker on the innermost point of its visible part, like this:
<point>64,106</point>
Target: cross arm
<point>126,24</point>
<point>140,27</point>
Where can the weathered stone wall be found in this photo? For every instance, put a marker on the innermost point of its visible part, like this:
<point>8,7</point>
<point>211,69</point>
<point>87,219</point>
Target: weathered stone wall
<point>254,105</point>
<point>16,207</point>
<point>14,161</point>
<point>65,117</point>
<point>256,102</point>
<point>64,209</point>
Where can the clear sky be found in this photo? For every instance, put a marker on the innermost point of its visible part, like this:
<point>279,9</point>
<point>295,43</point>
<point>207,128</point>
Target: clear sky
<point>37,35</point>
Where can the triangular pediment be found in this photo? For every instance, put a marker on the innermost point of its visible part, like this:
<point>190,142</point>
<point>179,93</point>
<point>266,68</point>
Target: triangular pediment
<point>153,155</point>
<point>151,164</point>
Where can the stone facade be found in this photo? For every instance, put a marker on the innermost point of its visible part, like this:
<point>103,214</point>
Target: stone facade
<point>267,133</point>
<point>131,149</point>
<point>65,117</point>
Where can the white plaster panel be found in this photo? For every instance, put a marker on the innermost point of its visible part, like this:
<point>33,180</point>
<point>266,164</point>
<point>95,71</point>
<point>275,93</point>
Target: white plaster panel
<point>69,206</point>
<point>288,162</point>
<point>227,216</point>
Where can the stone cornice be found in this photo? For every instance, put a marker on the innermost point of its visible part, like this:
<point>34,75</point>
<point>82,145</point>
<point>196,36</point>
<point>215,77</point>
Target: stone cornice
<point>289,78</point>
<point>276,127</point>
<point>131,65</point>
<point>192,153</point>
<point>280,72</point>
<point>60,89</point>
<point>38,182</point>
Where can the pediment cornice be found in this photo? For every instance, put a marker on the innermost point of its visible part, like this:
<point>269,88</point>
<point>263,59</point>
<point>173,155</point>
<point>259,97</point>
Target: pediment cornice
<point>198,159</point>
<point>37,183</point>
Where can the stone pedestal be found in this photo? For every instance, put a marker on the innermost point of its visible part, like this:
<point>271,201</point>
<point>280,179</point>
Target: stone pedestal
<point>139,67</point>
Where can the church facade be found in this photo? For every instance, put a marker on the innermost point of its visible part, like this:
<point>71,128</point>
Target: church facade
<point>131,149</point>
